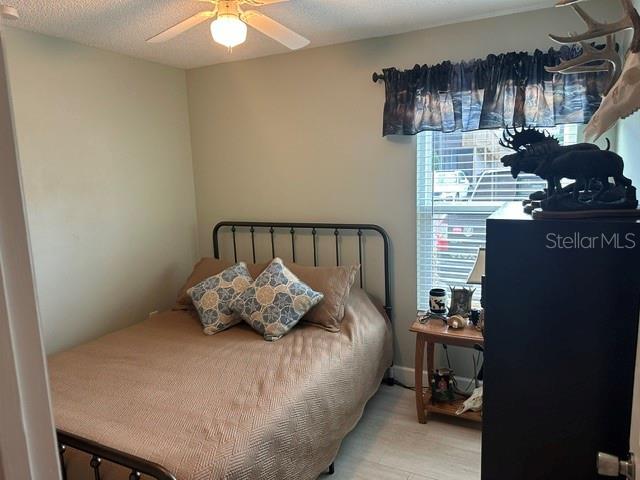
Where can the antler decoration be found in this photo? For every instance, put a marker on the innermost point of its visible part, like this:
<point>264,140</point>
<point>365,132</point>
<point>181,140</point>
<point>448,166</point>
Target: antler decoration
<point>508,139</point>
<point>523,137</point>
<point>596,29</point>
<point>606,59</point>
<point>594,59</point>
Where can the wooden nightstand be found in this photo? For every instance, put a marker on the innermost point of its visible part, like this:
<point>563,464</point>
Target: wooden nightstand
<point>430,333</point>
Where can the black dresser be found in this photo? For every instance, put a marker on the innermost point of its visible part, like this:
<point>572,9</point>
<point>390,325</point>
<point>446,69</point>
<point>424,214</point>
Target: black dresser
<point>562,303</point>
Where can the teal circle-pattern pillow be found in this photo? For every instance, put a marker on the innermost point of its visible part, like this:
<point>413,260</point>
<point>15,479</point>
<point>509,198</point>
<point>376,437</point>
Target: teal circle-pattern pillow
<point>212,297</point>
<point>275,302</point>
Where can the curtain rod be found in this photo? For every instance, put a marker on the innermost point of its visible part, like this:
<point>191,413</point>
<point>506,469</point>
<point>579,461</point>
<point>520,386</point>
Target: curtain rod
<point>377,76</point>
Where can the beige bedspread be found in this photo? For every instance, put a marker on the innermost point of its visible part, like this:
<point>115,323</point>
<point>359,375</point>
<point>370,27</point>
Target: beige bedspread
<point>228,406</point>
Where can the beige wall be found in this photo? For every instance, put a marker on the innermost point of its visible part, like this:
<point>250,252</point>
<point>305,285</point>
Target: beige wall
<point>628,144</point>
<point>298,136</point>
<point>628,141</point>
<point>104,146</point>
<point>628,134</point>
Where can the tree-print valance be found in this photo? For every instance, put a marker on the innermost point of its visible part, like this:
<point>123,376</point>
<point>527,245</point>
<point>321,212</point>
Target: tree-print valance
<point>511,89</point>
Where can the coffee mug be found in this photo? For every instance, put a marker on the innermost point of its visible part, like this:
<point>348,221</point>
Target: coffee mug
<point>438,301</point>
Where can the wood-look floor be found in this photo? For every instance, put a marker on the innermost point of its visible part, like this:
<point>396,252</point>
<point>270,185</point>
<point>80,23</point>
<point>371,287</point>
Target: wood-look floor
<point>390,444</point>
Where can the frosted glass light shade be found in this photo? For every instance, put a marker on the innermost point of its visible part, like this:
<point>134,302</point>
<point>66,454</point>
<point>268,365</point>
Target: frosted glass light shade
<point>228,30</point>
<point>475,277</point>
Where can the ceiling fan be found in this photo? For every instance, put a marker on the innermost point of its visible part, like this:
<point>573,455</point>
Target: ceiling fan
<point>229,27</point>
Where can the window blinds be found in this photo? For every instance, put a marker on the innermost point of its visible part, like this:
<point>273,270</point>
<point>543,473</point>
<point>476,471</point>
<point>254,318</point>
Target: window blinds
<point>460,183</point>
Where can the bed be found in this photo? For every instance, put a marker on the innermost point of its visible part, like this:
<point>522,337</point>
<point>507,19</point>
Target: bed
<point>161,400</point>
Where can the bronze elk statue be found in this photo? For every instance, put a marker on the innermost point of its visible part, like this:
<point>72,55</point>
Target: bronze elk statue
<point>590,167</point>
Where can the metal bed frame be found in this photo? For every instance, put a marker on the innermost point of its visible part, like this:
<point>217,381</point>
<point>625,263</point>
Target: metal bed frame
<point>140,466</point>
<point>313,229</point>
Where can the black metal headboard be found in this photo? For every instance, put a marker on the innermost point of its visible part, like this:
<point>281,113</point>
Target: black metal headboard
<point>313,230</point>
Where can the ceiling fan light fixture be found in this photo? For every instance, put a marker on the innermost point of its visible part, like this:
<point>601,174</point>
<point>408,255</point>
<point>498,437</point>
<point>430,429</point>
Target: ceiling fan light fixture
<point>228,30</point>
<point>230,23</point>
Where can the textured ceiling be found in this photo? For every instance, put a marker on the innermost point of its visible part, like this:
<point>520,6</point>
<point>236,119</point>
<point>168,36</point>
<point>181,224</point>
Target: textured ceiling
<point>124,25</point>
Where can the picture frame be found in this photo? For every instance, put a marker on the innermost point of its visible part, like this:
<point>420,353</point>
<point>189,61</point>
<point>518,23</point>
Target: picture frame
<point>461,298</point>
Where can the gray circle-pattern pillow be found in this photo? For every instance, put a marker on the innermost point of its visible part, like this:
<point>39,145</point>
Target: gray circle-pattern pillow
<point>275,302</point>
<point>212,297</point>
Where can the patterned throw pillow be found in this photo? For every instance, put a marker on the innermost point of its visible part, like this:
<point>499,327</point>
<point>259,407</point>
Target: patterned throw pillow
<point>212,297</point>
<point>275,301</point>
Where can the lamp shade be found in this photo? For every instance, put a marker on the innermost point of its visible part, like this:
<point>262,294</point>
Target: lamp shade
<point>475,277</point>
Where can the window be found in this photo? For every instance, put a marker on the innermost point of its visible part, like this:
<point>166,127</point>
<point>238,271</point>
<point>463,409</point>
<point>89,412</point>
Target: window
<point>460,183</point>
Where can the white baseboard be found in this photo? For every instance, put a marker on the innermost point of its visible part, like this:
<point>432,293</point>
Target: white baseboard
<point>406,376</point>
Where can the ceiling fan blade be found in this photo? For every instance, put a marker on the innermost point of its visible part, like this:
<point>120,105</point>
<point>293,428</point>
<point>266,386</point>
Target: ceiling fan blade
<point>268,2</point>
<point>182,27</point>
<point>275,30</point>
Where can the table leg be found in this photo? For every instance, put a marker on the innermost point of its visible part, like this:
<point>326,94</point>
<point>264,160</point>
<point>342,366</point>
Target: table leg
<point>431,361</point>
<point>418,373</point>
